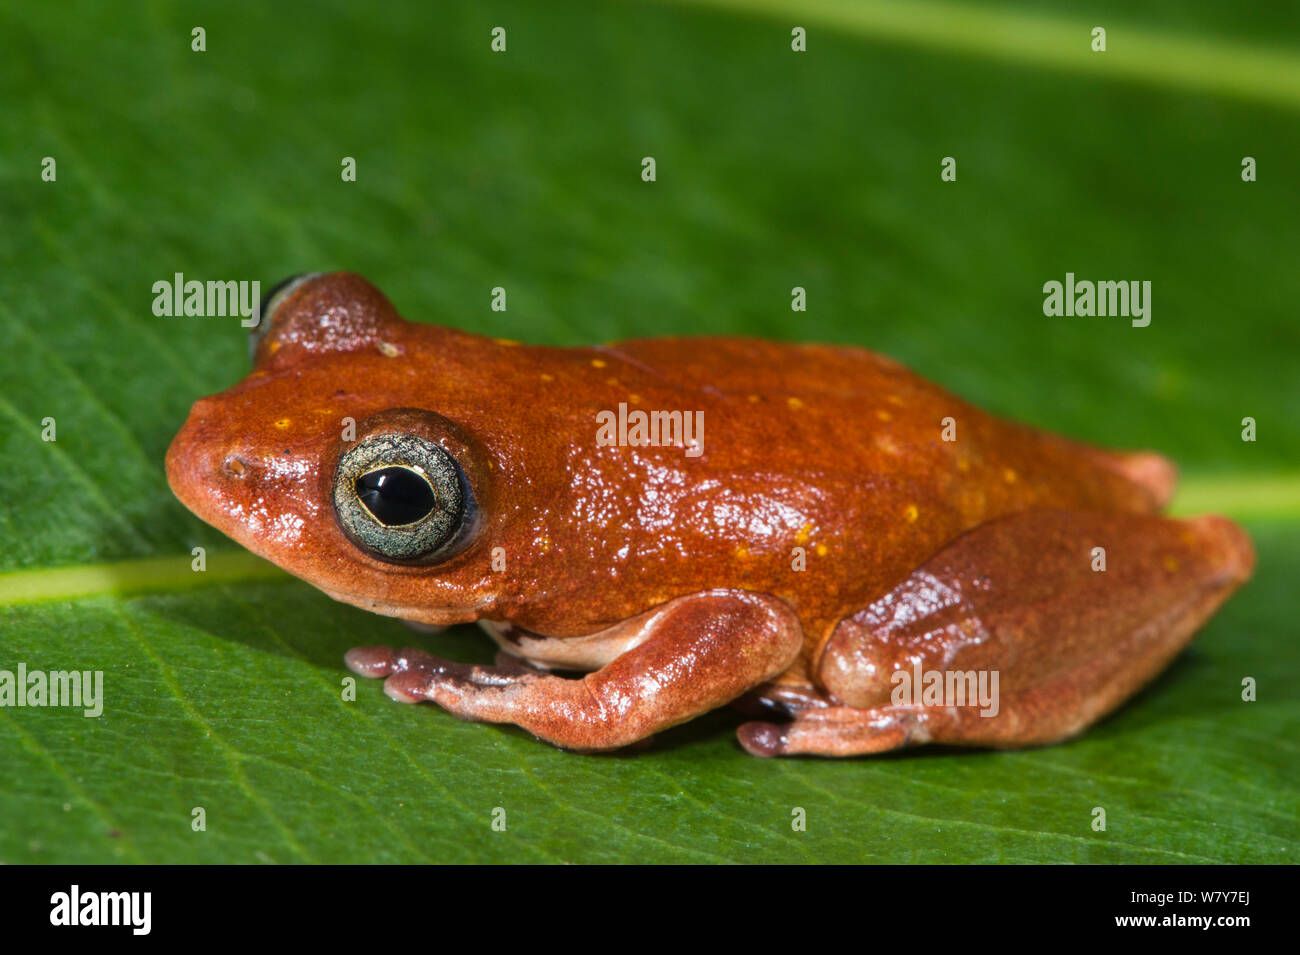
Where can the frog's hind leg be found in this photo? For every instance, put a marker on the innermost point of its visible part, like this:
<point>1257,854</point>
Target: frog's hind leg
<point>1022,632</point>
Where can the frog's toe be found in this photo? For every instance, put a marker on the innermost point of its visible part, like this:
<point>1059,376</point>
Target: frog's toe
<point>437,670</point>
<point>407,671</point>
<point>838,731</point>
<point>413,675</point>
<point>371,662</point>
<point>407,686</point>
<point>763,739</point>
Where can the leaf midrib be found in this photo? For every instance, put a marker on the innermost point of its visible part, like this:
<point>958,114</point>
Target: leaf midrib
<point>1142,54</point>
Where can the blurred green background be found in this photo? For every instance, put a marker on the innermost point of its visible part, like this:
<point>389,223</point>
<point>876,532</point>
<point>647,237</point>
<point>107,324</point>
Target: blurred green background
<point>522,169</point>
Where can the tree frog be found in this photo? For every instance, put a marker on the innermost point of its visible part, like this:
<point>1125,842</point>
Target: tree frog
<point>837,539</point>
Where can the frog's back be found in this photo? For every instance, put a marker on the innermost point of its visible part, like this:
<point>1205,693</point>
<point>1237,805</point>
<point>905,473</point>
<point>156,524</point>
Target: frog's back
<point>735,363</point>
<point>871,467</point>
<point>850,411</point>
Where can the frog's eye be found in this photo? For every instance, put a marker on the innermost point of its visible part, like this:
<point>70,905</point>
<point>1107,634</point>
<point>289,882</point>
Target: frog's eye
<point>400,497</point>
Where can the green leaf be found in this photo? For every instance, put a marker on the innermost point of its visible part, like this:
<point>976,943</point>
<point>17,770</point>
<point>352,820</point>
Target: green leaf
<point>775,169</point>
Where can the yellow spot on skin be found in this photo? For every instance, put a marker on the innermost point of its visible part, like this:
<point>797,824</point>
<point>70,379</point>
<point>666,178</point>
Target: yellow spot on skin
<point>507,342</point>
<point>794,403</point>
<point>895,400</point>
<point>803,534</point>
<point>911,514</point>
<point>1009,475</point>
<point>884,415</point>
<point>821,550</point>
<point>1171,563</point>
<point>887,444</point>
<point>742,551</point>
<point>597,363</point>
<point>282,423</point>
<point>546,377</point>
<point>274,346</point>
<point>963,465</point>
<point>611,381</point>
<point>634,399</point>
<point>388,349</point>
<point>545,543</point>
<point>754,398</point>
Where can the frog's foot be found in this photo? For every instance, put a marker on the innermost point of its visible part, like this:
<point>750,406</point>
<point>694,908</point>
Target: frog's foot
<point>844,731</point>
<point>693,654</point>
<point>408,670</point>
<point>1022,632</point>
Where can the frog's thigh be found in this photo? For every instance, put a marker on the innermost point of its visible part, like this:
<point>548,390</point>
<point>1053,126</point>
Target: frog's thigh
<point>1025,597</point>
<point>698,653</point>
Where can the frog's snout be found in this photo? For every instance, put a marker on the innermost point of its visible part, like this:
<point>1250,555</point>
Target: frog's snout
<point>204,462</point>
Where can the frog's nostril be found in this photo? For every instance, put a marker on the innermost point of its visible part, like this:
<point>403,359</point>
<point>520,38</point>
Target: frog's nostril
<point>236,466</point>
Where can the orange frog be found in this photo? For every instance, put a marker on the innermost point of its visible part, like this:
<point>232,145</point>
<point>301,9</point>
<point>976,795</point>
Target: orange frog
<point>858,558</point>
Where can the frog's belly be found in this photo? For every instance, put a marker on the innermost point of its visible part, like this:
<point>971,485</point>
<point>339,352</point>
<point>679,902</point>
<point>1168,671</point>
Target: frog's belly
<point>595,650</point>
<point>587,653</point>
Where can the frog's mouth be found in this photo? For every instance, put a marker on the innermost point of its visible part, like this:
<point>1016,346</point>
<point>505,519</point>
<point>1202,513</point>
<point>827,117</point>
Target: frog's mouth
<point>411,613</point>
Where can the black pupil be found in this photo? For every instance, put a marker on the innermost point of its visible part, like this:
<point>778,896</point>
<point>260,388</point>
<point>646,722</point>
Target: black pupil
<point>395,495</point>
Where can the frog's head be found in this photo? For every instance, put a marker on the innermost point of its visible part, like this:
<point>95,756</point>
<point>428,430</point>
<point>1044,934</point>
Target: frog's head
<point>326,460</point>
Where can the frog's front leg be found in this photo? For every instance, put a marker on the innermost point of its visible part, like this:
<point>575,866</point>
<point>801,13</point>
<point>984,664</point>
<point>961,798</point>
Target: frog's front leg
<point>692,655</point>
<point>1072,611</point>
